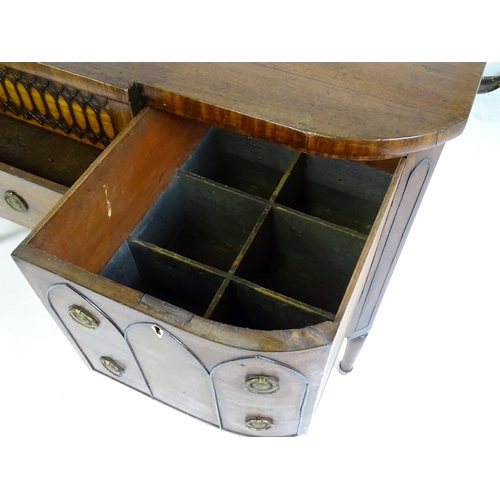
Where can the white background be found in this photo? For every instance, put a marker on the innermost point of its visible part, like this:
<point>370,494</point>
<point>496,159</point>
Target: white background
<point>417,418</point>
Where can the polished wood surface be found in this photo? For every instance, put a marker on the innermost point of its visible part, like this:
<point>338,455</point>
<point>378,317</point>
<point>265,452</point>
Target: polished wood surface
<point>218,348</point>
<point>39,194</point>
<point>39,166</point>
<point>362,110</point>
<point>393,117</point>
<point>411,189</point>
<point>107,205</point>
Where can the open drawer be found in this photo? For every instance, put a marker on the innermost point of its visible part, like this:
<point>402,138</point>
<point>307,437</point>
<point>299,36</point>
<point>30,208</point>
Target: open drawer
<point>37,167</point>
<point>210,270</point>
<point>51,130</point>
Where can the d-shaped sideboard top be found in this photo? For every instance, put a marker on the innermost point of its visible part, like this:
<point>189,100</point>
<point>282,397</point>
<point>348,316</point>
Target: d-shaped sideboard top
<point>350,110</point>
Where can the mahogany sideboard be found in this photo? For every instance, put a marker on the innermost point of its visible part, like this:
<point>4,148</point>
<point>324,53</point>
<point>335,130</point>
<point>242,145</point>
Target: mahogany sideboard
<point>210,234</point>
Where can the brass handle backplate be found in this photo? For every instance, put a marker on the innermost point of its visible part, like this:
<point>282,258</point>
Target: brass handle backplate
<point>112,366</point>
<point>261,384</point>
<point>259,424</point>
<point>15,201</point>
<point>83,317</point>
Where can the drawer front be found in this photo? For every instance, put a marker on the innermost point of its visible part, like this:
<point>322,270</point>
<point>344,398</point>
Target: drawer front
<point>259,396</point>
<point>175,374</point>
<point>249,394</point>
<point>264,269</point>
<point>100,341</point>
<point>26,198</point>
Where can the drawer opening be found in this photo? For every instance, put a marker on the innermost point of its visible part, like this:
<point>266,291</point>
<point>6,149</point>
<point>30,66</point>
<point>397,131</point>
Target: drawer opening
<point>43,153</point>
<point>338,191</point>
<point>303,258</point>
<point>268,258</point>
<point>202,221</point>
<point>249,306</point>
<point>250,165</point>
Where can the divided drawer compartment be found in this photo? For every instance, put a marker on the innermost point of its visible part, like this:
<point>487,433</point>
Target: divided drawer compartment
<point>37,167</point>
<point>342,192</point>
<point>228,243</point>
<point>231,251</point>
<point>202,221</point>
<point>251,166</point>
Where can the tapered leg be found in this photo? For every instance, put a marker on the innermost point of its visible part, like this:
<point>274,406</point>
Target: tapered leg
<point>412,184</point>
<point>351,353</point>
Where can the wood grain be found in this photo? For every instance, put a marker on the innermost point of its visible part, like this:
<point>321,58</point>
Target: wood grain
<point>43,153</point>
<point>411,189</point>
<point>217,347</point>
<point>40,195</point>
<point>124,304</point>
<point>368,112</point>
<point>347,110</point>
<point>115,194</point>
<point>105,340</point>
